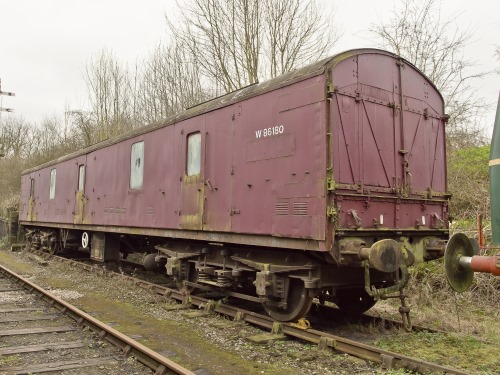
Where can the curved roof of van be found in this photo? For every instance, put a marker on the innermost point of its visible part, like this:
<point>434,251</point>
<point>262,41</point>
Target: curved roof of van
<point>231,98</point>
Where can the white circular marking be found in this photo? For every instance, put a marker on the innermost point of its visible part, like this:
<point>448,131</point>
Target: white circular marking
<point>85,240</point>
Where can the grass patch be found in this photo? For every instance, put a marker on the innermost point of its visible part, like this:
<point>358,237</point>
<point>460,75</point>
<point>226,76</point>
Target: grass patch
<point>451,350</point>
<point>10,360</point>
<point>135,314</point>
<point>161,334</point>
<point>14,264</point>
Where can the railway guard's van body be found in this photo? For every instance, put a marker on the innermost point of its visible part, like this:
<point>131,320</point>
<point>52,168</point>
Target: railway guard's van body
<point>327,181</point>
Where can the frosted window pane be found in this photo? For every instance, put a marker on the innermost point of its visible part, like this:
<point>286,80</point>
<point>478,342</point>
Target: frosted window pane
<point>194,154</point>
<point>81,178</point>
<point>137,166</point>
<point>52,192</point>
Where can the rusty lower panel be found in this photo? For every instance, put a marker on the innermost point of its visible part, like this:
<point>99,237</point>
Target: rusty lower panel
<point>81,201</point>
<point>192,203</point>
<point>241,239</point>
<point>31,209</point>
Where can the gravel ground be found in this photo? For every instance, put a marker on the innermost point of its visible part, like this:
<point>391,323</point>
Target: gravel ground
<point>212,344</point>
<point>92,348</point>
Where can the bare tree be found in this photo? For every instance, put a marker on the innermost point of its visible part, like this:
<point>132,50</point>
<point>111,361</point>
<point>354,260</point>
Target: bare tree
<point>168,83</point>
<point>219,40</point>
<point>417,33</point>
<point>297,32</point>
<point>237,42</point>
<point>84,131</point>
<point>10,184</point>
<point>18,145</point>
<point>110,95</point>
<point>48,140</point>
<point>15,137</point>
<point>26,145</point>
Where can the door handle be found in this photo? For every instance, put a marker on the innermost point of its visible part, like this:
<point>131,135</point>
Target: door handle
<point>207,182</point>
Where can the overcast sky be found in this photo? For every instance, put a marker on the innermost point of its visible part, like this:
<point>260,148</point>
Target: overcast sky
<point>45,45</point>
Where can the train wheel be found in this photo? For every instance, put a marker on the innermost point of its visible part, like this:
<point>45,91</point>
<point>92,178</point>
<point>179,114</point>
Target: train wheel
<point>55,247</point>
<point>149,262</point>
<point>192,276</point>
<point>354,301</point>
<point>298,304</point>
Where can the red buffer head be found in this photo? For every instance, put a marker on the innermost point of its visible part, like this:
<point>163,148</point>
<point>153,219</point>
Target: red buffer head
<point>460,263</point>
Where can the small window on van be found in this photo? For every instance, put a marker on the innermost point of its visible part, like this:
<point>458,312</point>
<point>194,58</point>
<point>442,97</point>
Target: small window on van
<point>193,154</point>
<point>81,177</point>
<point>52,192</point>
<point>137,166</point>
<point>32,188</point>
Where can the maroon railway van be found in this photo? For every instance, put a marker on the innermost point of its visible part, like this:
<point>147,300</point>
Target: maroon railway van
<point>325,182</point>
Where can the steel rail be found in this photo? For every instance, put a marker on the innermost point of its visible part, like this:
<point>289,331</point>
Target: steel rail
<point>366,318</point>
<point>143,354</point>
<point>386,358</point>
<point>370,318</point>
<point>324,340</point>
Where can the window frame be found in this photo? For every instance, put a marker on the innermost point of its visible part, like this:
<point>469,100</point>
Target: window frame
<point>193,169</point>
<point>81,178</point>
<point>52,186</point>
<point>32,187</point>
<point>136,170</point>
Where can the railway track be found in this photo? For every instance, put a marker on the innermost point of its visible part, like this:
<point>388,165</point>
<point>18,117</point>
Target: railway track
<point>368,318</point>
<point>42,333</point>
<point>318,310</point>
<point>324,340</point>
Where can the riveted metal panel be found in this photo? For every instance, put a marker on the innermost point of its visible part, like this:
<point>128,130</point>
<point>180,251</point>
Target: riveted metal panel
<point>104,247</point>
<point>389,145</point>
<point>218,165</point>
<point>192,184</point>
<point>283,138</point>
<point>273,157</point>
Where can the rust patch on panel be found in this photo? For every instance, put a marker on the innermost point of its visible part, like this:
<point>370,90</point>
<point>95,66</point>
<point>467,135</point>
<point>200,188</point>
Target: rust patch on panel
<point>193,199</point>
<point>31,209</point>
<point>80,203</point>
<point>191,221</point>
